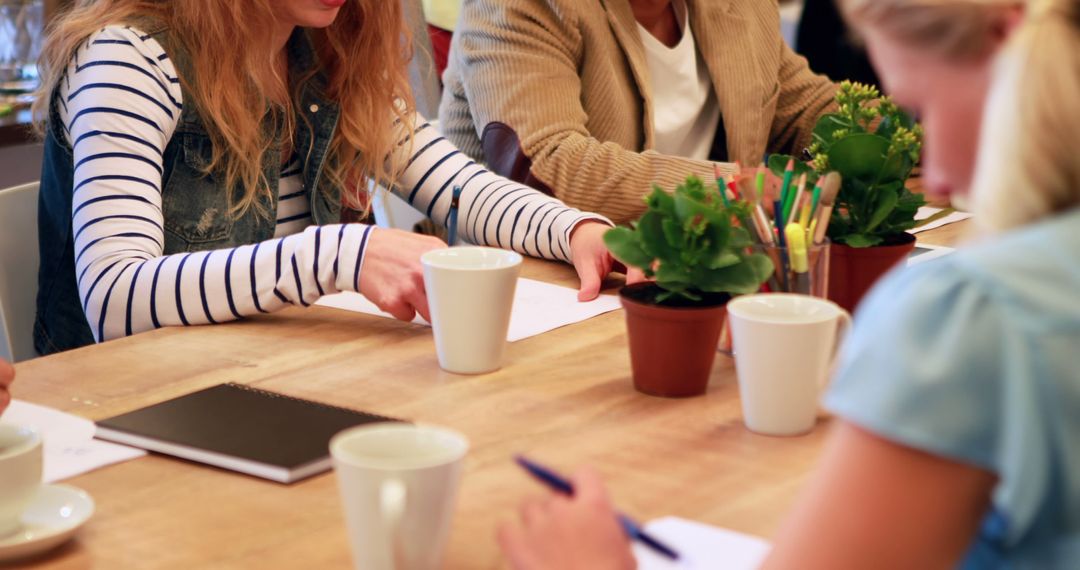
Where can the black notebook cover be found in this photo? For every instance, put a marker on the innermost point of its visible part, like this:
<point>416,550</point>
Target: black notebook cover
<point>241,428</point>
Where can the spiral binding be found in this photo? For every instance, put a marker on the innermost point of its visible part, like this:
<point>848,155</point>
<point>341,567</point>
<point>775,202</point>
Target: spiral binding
<point>366,415</point>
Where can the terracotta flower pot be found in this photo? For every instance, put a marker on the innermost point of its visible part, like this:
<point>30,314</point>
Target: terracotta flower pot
<point>672,348</point>
<point>853,270</point>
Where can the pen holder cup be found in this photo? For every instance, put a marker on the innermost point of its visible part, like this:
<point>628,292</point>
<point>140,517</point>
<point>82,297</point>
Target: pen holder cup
<point>814,281</point>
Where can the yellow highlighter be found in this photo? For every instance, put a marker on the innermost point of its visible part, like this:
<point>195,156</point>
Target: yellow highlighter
<point>796,244</point>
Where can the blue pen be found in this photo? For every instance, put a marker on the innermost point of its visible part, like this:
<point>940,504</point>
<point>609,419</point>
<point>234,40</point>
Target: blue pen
<point>452,224</point>
<point>561,485</point>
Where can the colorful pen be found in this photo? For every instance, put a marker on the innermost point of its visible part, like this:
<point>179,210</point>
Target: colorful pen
<point>789,172</point>
<point>561,485</point>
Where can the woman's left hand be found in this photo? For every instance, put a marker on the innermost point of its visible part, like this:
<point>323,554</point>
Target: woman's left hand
<point>593,261</point>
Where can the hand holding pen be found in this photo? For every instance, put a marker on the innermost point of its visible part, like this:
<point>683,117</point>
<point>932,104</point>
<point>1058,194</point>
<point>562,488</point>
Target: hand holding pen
<point>586,523</point>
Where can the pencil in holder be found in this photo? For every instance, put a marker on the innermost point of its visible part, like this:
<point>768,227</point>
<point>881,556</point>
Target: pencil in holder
<point>809,276</point>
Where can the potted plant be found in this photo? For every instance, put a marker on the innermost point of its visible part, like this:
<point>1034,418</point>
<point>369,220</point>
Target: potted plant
<point>686,243</point>
<point>874,148</point>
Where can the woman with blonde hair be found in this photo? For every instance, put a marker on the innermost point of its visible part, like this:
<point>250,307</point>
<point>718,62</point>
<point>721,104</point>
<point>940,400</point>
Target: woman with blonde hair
<point>958,395</point>
<point>198,155</point>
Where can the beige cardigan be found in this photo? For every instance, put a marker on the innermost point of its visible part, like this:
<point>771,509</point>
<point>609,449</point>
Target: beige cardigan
<point>555,93</point>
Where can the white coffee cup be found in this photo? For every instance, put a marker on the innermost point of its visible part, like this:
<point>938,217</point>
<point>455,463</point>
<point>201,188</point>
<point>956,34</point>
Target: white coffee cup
<point>784,348</point>
<point>398,483</point>
<point>20,473</point>
<point>470,292</point>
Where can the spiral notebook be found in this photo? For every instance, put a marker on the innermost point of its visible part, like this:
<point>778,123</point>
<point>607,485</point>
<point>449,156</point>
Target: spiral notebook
<point>240,428</point>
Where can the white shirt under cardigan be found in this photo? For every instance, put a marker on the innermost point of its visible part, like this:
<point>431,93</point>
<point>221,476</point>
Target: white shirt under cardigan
<point>120,104</point>
<point>686,112</point>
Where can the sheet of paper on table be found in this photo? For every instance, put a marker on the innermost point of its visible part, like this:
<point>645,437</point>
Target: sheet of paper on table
<point>69,447</point>
<point>924,252</point>
<point>701,546</point>
<point>927,211</point>
<point>538,308</point>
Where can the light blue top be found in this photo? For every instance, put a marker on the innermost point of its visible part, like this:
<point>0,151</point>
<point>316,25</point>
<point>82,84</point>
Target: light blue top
<point>976,357</point>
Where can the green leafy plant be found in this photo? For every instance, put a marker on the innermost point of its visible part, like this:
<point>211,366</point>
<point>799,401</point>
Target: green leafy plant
<point>874,148</point>
<point>686,242</point>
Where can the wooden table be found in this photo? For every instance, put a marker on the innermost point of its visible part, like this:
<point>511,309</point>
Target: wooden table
<point>564,398</point>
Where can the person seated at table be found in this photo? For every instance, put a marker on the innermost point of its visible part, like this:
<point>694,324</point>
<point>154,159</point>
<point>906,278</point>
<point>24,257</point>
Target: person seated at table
<point>958,395</point>
<point>7,376</point>
<point>198,153</point>
<point>596,101</point>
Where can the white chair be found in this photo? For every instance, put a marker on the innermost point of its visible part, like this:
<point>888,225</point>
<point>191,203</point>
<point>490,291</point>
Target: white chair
<point>18,271</point>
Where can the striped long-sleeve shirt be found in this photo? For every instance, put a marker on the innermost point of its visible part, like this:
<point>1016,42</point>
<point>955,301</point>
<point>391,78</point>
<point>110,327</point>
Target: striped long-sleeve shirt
<point>120,104</point>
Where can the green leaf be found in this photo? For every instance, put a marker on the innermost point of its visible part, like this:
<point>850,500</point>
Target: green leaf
<point>738,238</point>
<point>653,239</point>
<point>778,162</point>
<point>745,277</point>
<point>624,245</point>
<point>860,240</point>
<point>689,209</point>
<point>886,201</point>
<point>673,232</point>
<point>826,126</point>
<point>660,202</point>
<point>859,156</point>
<point>725,259</point>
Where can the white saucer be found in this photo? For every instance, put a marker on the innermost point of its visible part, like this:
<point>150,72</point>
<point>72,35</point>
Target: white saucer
<point>53,516</point>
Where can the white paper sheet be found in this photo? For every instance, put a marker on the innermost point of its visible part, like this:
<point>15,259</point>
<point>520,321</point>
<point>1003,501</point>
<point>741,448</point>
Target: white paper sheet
<point>69,445</point>
<point>927,211</point>
<point>924,252</point>
<point>701,546</point>
<point>538,308</point>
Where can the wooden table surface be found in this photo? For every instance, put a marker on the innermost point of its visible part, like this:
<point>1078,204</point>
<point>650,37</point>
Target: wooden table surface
<point>564,398</point>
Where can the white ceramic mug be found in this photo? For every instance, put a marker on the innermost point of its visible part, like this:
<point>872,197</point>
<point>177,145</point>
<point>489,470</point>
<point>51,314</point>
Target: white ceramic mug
<point>398,483</point>
<point>20,473</point>
<point>470,292</point>
<point>784,348</point>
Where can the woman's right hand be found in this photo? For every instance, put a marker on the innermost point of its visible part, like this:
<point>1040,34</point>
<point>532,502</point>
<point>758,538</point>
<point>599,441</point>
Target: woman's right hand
<point>7,376</point>
<point>392,276</point>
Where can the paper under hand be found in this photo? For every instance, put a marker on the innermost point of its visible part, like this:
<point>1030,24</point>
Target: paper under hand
<point>701,546</point>
<point>538,308</point>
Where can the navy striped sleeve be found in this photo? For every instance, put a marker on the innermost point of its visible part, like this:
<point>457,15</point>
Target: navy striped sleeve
<point>123,103</point>
<point>493,210</point>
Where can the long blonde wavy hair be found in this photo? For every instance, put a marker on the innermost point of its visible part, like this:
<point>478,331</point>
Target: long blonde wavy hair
<point>364,55</point>
<point>1026,167</point>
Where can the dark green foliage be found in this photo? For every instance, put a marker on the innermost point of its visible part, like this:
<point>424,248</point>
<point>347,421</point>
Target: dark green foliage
<point>687,243</point>
<point>873,205</point>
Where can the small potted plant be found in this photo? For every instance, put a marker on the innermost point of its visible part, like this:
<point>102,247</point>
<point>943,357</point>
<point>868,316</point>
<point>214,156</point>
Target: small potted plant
<point>874,148</point>
<point>686,243</point>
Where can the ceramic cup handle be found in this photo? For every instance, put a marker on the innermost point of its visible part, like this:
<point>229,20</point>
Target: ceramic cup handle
<point>392,497</point>
<point>843,324</point>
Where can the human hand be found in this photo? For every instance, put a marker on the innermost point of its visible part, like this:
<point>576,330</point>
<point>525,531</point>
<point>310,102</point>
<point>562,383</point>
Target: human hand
<point>747,184</point>
<point>593,261</point>
<point>7,376</point>
<point>568,533</point>
<point>392,276</point>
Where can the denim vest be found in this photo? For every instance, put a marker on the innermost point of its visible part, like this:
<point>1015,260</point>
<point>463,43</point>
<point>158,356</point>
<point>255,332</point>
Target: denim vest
<point>195,206</point>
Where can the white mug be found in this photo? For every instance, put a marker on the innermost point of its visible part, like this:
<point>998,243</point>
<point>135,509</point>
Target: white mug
<point>784,349</point>
<point>398,483</point>
<point>20,473</point>
<point>470,292</point>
